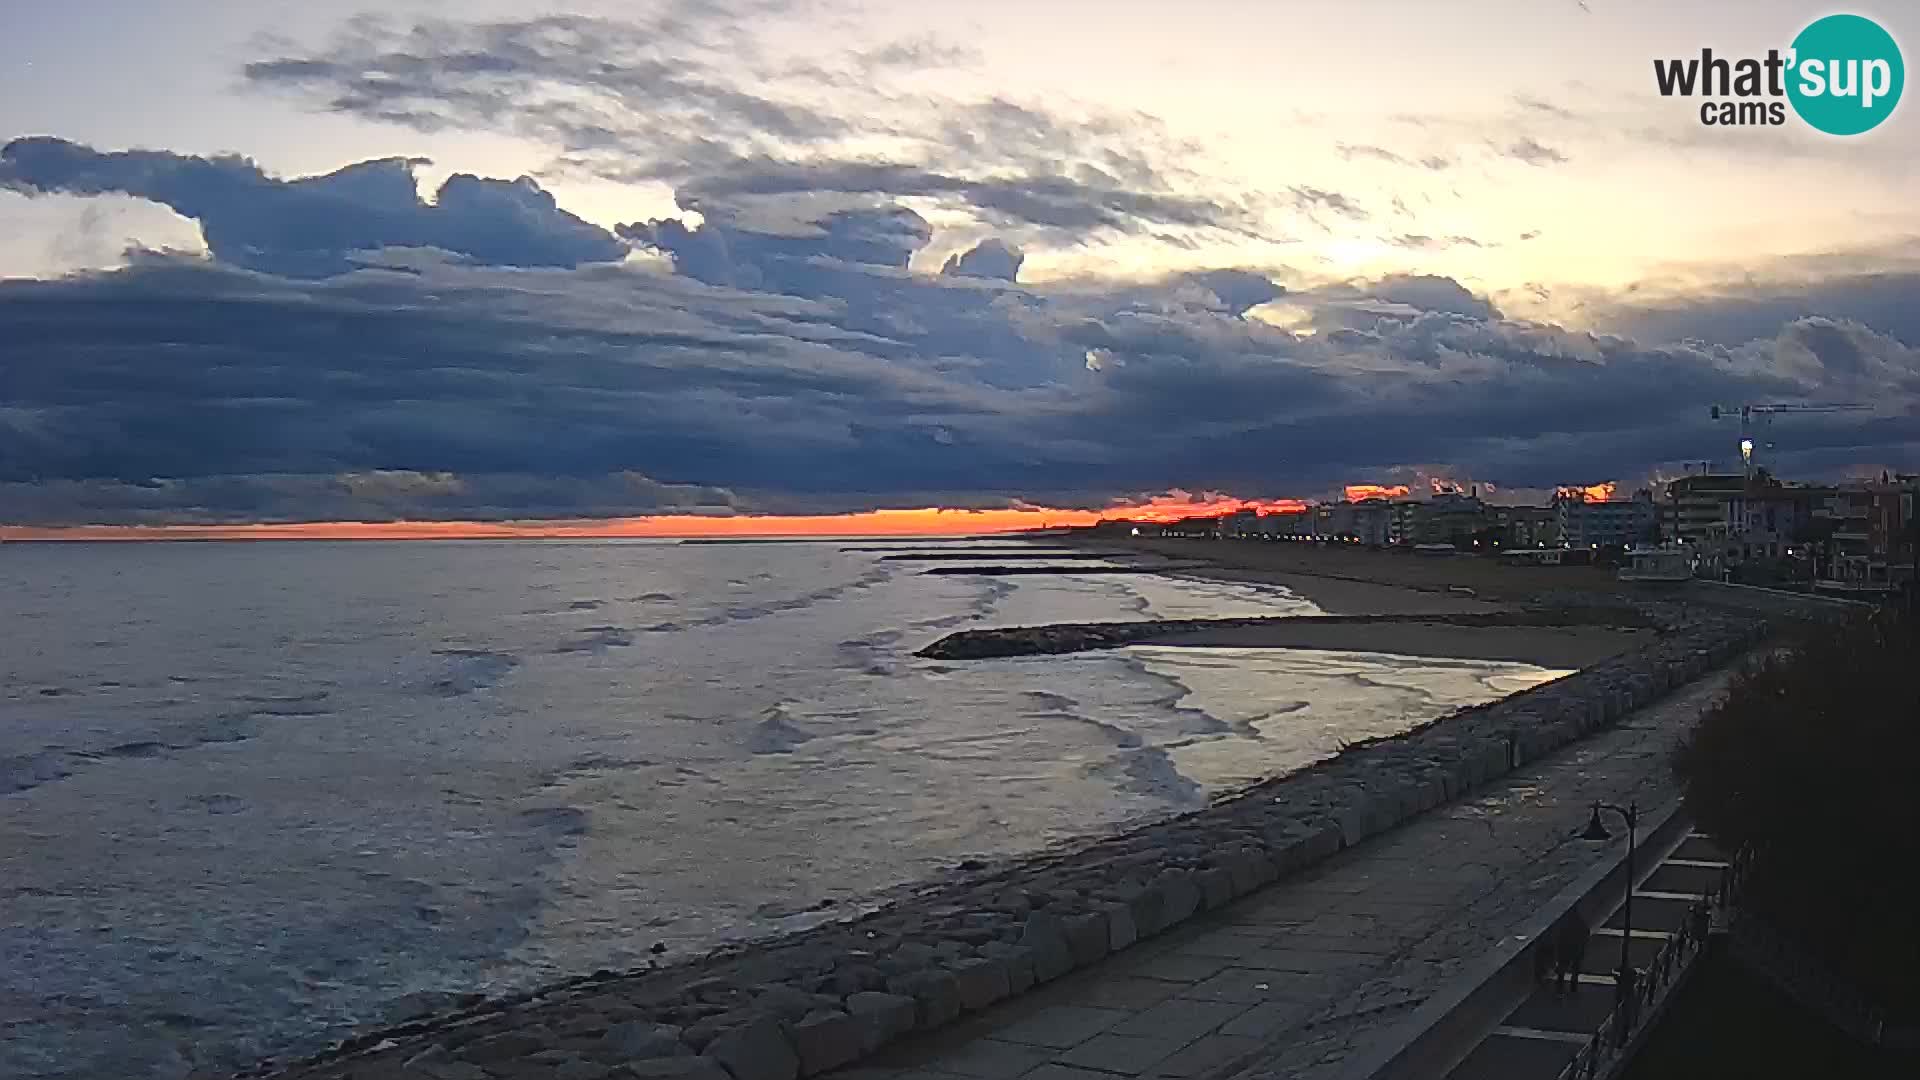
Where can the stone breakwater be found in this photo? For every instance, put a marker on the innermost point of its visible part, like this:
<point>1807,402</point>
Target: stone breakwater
<point>820,999</point>
<point>1080,637</point>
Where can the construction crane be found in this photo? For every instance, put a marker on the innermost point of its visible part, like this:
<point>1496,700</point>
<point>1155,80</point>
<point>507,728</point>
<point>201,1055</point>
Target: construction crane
<point>1766,414</point>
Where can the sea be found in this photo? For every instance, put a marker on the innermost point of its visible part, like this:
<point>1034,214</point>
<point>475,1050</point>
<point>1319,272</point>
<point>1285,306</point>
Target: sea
<point>256,796</point>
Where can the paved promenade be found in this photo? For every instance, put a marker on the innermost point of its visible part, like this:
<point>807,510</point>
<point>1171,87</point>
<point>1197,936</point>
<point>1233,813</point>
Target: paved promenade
<point>1293,979</point>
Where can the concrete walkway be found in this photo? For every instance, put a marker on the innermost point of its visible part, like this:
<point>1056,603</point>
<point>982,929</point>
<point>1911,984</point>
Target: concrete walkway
<point>1541,1037</point>
<point>1291,980</point>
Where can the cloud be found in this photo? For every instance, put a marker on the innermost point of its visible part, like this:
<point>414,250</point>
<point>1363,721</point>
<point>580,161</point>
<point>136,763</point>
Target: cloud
<point>685,97</point>
<point>422,386</point>
<point>312,226</point>
<point>1364,305</point>
<point>380,495</point>
<point>1550,110</point>
<point>1312,197</point>
<point>1533,152</point>
<point>990,258</point>
<point>1730,312</point>
<point>1351,151</point>
<point>1423,242</point>
<point>1430,162</point>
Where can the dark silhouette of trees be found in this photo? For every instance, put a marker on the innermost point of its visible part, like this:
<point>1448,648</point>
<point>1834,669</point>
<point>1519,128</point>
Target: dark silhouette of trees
<point>1813,759</point>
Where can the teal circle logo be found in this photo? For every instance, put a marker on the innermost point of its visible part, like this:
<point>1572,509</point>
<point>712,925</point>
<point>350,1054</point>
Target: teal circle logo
<point>1846,74</point>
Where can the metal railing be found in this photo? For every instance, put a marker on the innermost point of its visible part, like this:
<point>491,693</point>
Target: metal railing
<point>1639,1002</point>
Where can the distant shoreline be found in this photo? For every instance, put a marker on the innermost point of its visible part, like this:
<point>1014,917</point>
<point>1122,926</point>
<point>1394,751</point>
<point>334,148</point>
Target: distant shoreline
<point>1386,602</point>
<point>1358,581</point>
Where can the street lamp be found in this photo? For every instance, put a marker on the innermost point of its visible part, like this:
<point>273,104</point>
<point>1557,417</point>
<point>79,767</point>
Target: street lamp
<point>1596,830</point>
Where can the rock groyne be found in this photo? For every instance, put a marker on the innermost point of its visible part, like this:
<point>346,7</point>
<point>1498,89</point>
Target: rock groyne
<point>813,1001</point>
<point>1057,638</point>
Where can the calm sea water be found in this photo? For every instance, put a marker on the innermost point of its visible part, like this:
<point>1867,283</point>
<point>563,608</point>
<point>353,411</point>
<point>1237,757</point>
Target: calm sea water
<point>253,794</point>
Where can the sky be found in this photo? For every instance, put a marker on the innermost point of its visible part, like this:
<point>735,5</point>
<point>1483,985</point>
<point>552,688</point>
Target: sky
<point>489,261</point>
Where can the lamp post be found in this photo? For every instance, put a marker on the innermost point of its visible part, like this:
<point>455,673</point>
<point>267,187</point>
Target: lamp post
<point>1597,831</point>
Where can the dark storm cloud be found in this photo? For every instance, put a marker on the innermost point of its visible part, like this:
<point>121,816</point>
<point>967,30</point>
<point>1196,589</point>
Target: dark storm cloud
<point>375,495</point>
<point>182,389</point>
<point>309,227</point>
<point>353,351</point>
<point>990,258</point>
<point>1363,306</point>
<point>1062,203</point>
<point>685,96</point>
<point>1886,301</point>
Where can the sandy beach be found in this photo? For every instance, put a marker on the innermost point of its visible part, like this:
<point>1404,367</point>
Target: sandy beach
<point>1345,581</point>
<point>1358,581</point>
<point>1547,646</point>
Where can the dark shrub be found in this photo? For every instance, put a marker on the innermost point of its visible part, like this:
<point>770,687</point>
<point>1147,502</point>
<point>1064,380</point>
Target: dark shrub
<point>1814,759</point>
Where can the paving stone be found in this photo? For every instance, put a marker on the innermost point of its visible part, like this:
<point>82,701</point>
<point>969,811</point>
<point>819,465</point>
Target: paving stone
<point>1061,1026</point>
<point>1250,986</point>
<point>1179,1019</point>
<point>1128,1055</point>
<point>1229,943</point>
<point>1204,1055</point>
<point>1179,967</point>
<point>991,1059</point>
<point>1053,1070</point>
<point>1119,991</point>
<point>1304,960</point>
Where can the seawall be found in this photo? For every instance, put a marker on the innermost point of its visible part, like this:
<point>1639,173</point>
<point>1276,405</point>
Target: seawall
<point>810,1002</point>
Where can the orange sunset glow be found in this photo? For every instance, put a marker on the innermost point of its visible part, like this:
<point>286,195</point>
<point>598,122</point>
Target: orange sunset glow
<point>922,521</point>
<point>1359,492</point>
<point>1591,492</point>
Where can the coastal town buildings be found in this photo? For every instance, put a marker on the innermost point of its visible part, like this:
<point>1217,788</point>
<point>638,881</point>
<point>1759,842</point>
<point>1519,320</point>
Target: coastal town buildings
<point>1588,522</point>
<point>1855,537</point>
<point>1527,527</point>
<point>1874,533</point>
<point>1369,521</point>
<point>1767,524</point>
<point>1695,511</point>
<point>1450,517</point>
